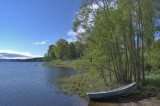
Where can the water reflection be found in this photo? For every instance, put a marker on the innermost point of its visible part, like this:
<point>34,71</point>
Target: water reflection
<point>54,73</point>
<point>23,83</point>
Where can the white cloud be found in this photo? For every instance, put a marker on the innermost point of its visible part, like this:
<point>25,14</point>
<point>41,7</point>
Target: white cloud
<point>80,30</point>
<point>71,40</point>
<point>95,6</point>
<point>8,54</point>
<point>40,43</point>
<point>71,33</point>
<point>72,36</point>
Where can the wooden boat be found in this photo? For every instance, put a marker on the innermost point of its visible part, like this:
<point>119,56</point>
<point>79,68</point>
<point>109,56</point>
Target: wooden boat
<point>111,93</point>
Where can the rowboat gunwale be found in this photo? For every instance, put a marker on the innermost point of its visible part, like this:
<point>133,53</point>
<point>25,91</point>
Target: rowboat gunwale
<point>114,90</point>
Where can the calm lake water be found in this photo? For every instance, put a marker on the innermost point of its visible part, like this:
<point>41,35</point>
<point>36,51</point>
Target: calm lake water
<point>24,84</point>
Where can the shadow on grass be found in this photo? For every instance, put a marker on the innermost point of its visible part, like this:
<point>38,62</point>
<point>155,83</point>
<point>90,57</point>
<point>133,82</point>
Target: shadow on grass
<point>150,88</point>
<point>133,97</point>
<point>152,78</point>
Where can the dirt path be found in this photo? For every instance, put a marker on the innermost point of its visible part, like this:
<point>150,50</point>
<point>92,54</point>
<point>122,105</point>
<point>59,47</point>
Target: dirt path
<point>145,102</point>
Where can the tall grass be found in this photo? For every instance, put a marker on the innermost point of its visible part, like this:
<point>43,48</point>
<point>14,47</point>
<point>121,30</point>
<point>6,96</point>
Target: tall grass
<point>81,84</point>
<point>152,83</point>
<point>92,82</point>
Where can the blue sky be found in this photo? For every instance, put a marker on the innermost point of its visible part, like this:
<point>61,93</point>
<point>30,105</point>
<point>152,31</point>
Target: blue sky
<point>28,27</point>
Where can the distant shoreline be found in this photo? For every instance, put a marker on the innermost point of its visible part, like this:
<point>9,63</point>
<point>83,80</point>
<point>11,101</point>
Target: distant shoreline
<point>39,59</point>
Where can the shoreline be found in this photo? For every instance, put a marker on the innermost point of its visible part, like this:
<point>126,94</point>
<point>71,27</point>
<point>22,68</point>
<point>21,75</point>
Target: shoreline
<point>139,96</point>
<point>143,102</point>
<point>57,65</point>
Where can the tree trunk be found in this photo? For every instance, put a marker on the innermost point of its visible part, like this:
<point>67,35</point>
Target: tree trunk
<point>142,53</point>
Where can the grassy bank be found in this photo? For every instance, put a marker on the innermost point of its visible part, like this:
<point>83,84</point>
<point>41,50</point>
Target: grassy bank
<point>81,84</point>
<point>152,83</point>
<point>63,63</point>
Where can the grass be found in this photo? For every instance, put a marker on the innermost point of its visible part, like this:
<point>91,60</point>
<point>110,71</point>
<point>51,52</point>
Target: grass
<point>63,63</point>
<point>152,83</point>
<point>81,84</point>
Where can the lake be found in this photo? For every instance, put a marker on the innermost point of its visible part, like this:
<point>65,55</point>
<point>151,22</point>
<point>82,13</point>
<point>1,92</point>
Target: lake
<point>31,84</point>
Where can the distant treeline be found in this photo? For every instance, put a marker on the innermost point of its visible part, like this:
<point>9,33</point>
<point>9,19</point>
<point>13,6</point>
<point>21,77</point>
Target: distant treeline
<point>64,50</point>
<point>40,59</point>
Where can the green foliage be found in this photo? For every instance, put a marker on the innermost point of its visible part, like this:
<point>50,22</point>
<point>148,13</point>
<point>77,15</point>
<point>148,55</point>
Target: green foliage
<point>65,63</point>
<point>117,38</point>
<point>151,84</point>
<point>155,55</point>
<point>148,67</point>
<point>117,44</point>
<point>50,55</point>
<point>79,48</point>
<point>117,41</point>
<point>61,49</point>
<point>46,57</point>
<point>72,51</point>
<point>64,50</point>
<point>81,84</point>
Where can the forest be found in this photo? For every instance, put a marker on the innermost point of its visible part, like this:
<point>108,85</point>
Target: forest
<point>64,50</point>
<point>116,39</point>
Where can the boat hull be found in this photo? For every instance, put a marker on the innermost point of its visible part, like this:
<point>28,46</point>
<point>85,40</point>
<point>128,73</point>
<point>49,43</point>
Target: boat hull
<point>111,93</point>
